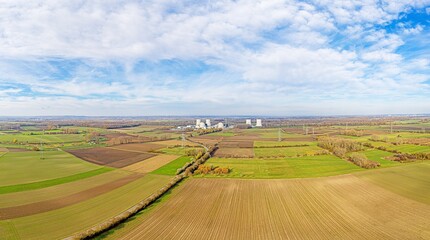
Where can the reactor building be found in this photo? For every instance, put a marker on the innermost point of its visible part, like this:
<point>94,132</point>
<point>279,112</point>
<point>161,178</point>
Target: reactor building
<point>258,123</point>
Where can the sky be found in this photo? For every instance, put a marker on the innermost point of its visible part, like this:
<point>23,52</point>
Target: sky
<point>208,57</point>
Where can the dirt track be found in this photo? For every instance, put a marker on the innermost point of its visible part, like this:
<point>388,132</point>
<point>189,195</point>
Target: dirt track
<point>342,207</point>
<point>44,206</point>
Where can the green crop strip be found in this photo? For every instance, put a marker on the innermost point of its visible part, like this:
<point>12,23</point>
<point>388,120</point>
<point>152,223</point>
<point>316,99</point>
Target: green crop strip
<point>52,182</point>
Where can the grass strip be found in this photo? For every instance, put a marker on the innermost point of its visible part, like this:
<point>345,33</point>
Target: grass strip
<point>52,182</point>
<point>172,167</point>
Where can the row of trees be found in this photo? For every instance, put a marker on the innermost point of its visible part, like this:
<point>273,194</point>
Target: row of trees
<point>339,146</point>
<point>352,132</point>
<point>407,157</point>
<point>207,131</point>
<point>361,160</point>
<point>206,169</point>
<point>114,221</point>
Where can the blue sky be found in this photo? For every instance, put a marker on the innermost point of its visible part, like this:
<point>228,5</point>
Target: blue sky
<point>243,57</point>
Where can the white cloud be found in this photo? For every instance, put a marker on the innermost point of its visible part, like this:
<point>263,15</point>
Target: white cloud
<point>279,51</point>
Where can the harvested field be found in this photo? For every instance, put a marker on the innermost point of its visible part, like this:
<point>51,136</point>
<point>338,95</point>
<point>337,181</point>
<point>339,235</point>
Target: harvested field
<point>236,144</point>
<point>342,207</point>
<point>49,205</point>
<point>234,152</point>
<point>151,164</point>
<point>206,142</point>
<point>61,190</point>
<point>249,137</point>
<point>411,181</point>
<point>138,147</point>
<point>112,135</point>
<point>63,222</point>
<point>110,157</point>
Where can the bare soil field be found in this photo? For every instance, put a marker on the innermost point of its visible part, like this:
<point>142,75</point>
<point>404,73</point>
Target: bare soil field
<point>112,135</point>
<point>341,207</point>
<point>138,147</point>
<point>206,141</point>
<point>234,152</point>
<point>49,205</point>
<point>151,164</point>
<point>287,139</point>
<point>249,137</point>
<point>110,157</point>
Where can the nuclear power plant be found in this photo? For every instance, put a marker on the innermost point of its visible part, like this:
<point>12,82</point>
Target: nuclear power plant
<point>258,122</point>
<point>207,124</point>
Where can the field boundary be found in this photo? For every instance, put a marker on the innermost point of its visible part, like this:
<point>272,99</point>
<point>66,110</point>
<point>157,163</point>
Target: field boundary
<point>120,218</point>
<point>49,205</point>
<point>53,182</point>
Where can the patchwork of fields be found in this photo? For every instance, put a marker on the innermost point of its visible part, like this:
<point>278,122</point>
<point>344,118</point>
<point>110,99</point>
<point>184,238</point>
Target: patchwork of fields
<point>288,189</point>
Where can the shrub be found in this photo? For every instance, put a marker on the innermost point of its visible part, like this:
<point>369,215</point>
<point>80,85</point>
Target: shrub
<point>361,160</point>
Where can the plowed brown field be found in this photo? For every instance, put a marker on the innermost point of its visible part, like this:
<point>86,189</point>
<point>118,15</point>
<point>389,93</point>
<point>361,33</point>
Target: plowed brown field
<point>341,207</point>
<point>110,157</point>
<point>138,147</point>
<point>234,152</point>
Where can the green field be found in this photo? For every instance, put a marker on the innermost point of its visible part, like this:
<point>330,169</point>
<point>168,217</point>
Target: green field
<point>61,190</point>
<point>27,167</point>
<point>52,182</point>
<point>378,156</point>
<point>314,166</point>
<point>404,148</point>
<point>172,167</point>
<point>282,143</point>
<point>411,180</point>
<point>61,223</point>
<point>37,138</point>
<point>286,151</point>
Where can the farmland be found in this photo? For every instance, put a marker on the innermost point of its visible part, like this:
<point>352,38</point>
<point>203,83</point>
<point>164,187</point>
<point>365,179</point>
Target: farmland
<point>313,166</point>
<point>271,183</point>
<point>254,209</point>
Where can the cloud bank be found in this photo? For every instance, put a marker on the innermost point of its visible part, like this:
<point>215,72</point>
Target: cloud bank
<point>168,57</point>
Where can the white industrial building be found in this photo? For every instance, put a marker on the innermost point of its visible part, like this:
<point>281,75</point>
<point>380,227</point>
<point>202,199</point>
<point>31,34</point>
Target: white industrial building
<point>207,124</point>
<point>258,123</point>
<point>248,122</point>
<point>202,125</point>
